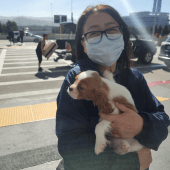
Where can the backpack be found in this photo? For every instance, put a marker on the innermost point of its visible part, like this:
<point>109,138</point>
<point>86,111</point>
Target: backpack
<point>21,33</point>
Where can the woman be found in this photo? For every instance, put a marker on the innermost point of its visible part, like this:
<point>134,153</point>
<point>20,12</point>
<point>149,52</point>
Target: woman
<point>40,52</point>
<point>102,42</point>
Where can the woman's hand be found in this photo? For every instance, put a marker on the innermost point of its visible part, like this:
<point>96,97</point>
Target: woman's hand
<point>125,125</point>
<point>145,158</point>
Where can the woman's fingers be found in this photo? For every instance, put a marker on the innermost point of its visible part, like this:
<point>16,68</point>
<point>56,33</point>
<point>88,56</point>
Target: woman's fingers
<point>122,107</point>
<point>110,117</point>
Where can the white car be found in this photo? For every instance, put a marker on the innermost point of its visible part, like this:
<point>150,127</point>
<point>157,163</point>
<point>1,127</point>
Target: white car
<point>28,37</point>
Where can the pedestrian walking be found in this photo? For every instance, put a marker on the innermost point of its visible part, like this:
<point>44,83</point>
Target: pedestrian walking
<point>11,36</point>
<point>21,34</point>
<point>102,42</point>
<point>40,52</point>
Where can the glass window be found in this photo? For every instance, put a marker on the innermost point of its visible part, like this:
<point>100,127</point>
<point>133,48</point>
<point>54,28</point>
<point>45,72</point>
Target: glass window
<point>168,39</point>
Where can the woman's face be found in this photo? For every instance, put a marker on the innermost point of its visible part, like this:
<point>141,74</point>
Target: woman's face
<point>98,21</point>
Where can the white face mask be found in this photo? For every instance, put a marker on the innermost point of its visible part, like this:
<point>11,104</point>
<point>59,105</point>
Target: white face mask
<point>106,52</point>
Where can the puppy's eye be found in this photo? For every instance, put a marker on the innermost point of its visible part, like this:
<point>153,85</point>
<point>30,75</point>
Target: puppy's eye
<point>79,88</point>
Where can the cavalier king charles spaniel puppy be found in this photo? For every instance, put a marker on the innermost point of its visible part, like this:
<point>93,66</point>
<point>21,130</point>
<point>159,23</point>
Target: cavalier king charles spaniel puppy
<point>104,93</point>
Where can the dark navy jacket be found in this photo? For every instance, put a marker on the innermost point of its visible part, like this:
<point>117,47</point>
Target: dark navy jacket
<point>76,121</point>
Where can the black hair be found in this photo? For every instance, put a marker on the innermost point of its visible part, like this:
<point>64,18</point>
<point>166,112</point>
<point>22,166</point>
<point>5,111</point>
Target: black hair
<point>80,54</point>
<point>44,35</point>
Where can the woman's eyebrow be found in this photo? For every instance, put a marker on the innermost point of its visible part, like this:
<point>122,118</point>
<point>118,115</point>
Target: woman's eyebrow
<point>93,26</point>
<point>111,23</point>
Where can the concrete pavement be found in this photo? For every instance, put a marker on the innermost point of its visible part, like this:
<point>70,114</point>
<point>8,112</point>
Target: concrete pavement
<point>32,145</point>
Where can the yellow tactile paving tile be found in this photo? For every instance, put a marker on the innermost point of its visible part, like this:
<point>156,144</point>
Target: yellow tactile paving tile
<point>162,99</point>
<point>24,114</point>
<point>15,115</point>
<point>31,113</point>
<point>44,111</point>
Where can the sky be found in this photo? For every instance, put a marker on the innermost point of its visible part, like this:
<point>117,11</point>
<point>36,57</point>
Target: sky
<point>43,8</point>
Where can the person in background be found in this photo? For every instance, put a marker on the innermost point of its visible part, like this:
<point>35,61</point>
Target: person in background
<point>40,52</point>
<point>102,42</point>
<point>11,36</point>
<point>21,33</point>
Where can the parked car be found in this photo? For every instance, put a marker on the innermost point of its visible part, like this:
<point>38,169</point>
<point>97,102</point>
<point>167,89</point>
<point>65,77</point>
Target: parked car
<point>165,47</point>
<point>165,52</point>
<point>28,37</point>
<point>143,49</point>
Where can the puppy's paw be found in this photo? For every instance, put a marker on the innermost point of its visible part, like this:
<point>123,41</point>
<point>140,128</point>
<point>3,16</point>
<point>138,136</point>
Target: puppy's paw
<point>123,148</point>
<point>100,145</point>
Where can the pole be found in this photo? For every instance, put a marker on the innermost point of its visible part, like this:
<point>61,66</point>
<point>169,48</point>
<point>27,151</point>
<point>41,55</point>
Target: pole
<point>155,20</point>
<point>60,31</point>
<point>71,13</point>
<point>51,12</point>
<point>18,18</point>
<point>71,6</point>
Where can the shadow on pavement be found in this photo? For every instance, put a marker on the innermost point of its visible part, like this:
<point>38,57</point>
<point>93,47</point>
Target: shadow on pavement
<point>146,68</point>
<point>53,73</point>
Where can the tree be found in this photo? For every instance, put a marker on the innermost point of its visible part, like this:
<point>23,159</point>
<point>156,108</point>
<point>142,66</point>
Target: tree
<point>14,26</point>
<point>165,29</point>
<point>0,27</point>
<point>159,29</point>
<point>8,26</point>
<point>151,30</point>
<point>156,29</point>
<point>3,28</point>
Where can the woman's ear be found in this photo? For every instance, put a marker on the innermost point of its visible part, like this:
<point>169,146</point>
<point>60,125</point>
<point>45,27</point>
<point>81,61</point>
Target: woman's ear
<point>84,46</point>
<point>102,101</point>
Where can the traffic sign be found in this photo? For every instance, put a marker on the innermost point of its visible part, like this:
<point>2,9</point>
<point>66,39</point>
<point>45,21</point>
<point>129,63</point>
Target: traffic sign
<point>60,18</point>
<point>56,18</point>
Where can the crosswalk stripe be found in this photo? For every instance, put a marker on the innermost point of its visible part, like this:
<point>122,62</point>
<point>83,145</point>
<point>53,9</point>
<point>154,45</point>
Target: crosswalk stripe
<point>32,81</point>
<point>35,72</point>
<point>29,93</point>
<point>28,62</point>
<point>8,68</point>
<point>12,59</point>
<point>2,58</point>
<point>22,56</point>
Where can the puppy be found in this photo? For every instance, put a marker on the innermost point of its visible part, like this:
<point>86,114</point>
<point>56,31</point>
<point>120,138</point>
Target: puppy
<point>104,93</point>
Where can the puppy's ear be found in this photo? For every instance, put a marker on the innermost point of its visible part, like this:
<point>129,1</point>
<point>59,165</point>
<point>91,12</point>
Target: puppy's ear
<point>102,101</point>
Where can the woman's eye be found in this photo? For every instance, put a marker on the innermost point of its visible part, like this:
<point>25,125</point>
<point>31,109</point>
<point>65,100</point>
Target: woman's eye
<point>79,88</point>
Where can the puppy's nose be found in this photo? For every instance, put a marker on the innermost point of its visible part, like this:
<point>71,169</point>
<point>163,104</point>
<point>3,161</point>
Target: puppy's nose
<point>70,89</point>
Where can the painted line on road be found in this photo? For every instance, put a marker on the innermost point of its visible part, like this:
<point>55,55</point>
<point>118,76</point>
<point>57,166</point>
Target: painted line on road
<point>28,62</point>
<point>29,113</point>
<point>13,59</point>
<point>29,93</point>
<point>44,72</point>
<point>9,68</point>
<point>2,57</point>
<point>25,114</point>
<point>161,99</point>
<point>157,83</point>
<point>20,56</point>
<point>20,47</point>
<point>32,81</point>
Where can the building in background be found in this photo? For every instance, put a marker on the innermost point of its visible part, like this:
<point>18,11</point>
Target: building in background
<point>157,6</point>
<point>146,19</point>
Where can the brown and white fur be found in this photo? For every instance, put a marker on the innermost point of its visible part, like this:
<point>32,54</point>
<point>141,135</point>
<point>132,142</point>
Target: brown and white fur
<point>104,93</point>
